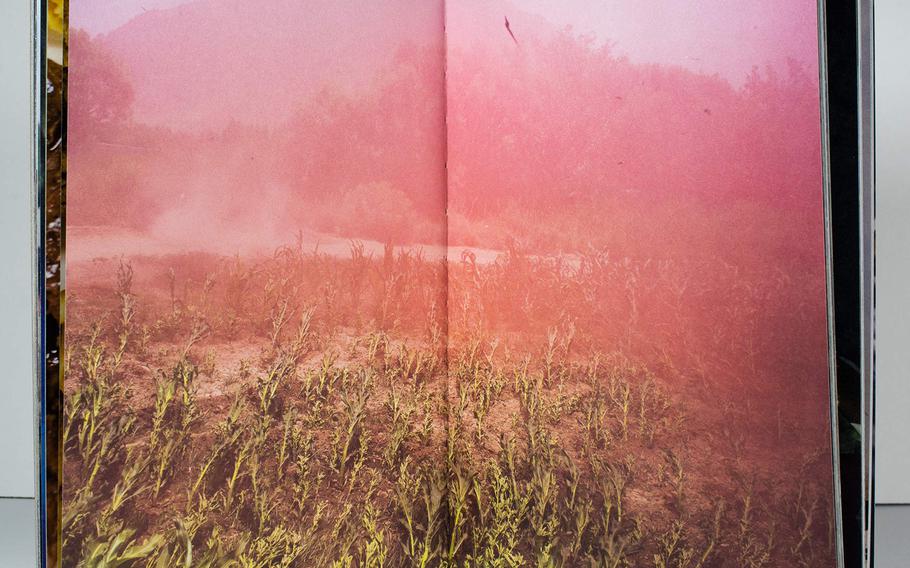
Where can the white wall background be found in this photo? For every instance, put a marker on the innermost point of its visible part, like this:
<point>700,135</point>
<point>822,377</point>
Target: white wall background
<point>892,310</point>
<point>16,370</point>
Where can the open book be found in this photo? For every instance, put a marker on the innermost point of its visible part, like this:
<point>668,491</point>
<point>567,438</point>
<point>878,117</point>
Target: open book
<point>478,283</point>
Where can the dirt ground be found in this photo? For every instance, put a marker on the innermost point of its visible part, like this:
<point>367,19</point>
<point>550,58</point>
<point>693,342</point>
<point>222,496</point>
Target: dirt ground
<point>313,409</point>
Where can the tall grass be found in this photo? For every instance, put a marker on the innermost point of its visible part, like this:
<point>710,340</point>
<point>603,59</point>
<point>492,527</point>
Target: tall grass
<point>351,431</point>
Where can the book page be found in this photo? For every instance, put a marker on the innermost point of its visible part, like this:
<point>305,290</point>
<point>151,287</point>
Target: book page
<point>637,298</point>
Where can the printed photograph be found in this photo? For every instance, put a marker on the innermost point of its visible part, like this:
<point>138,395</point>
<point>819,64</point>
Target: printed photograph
<point>477,283</point>
<point>637,316</point>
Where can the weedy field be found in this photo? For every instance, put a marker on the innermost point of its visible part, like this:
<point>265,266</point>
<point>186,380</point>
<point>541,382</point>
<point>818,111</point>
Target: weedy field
<point>313,410</point>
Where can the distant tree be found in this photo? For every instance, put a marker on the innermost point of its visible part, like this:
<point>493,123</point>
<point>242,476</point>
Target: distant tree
<point>99,92</point>
<point>381,149</point>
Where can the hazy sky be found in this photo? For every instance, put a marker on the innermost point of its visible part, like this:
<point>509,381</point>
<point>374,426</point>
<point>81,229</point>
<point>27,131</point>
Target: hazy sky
<point>102,16</point>
<point>727,37</point>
